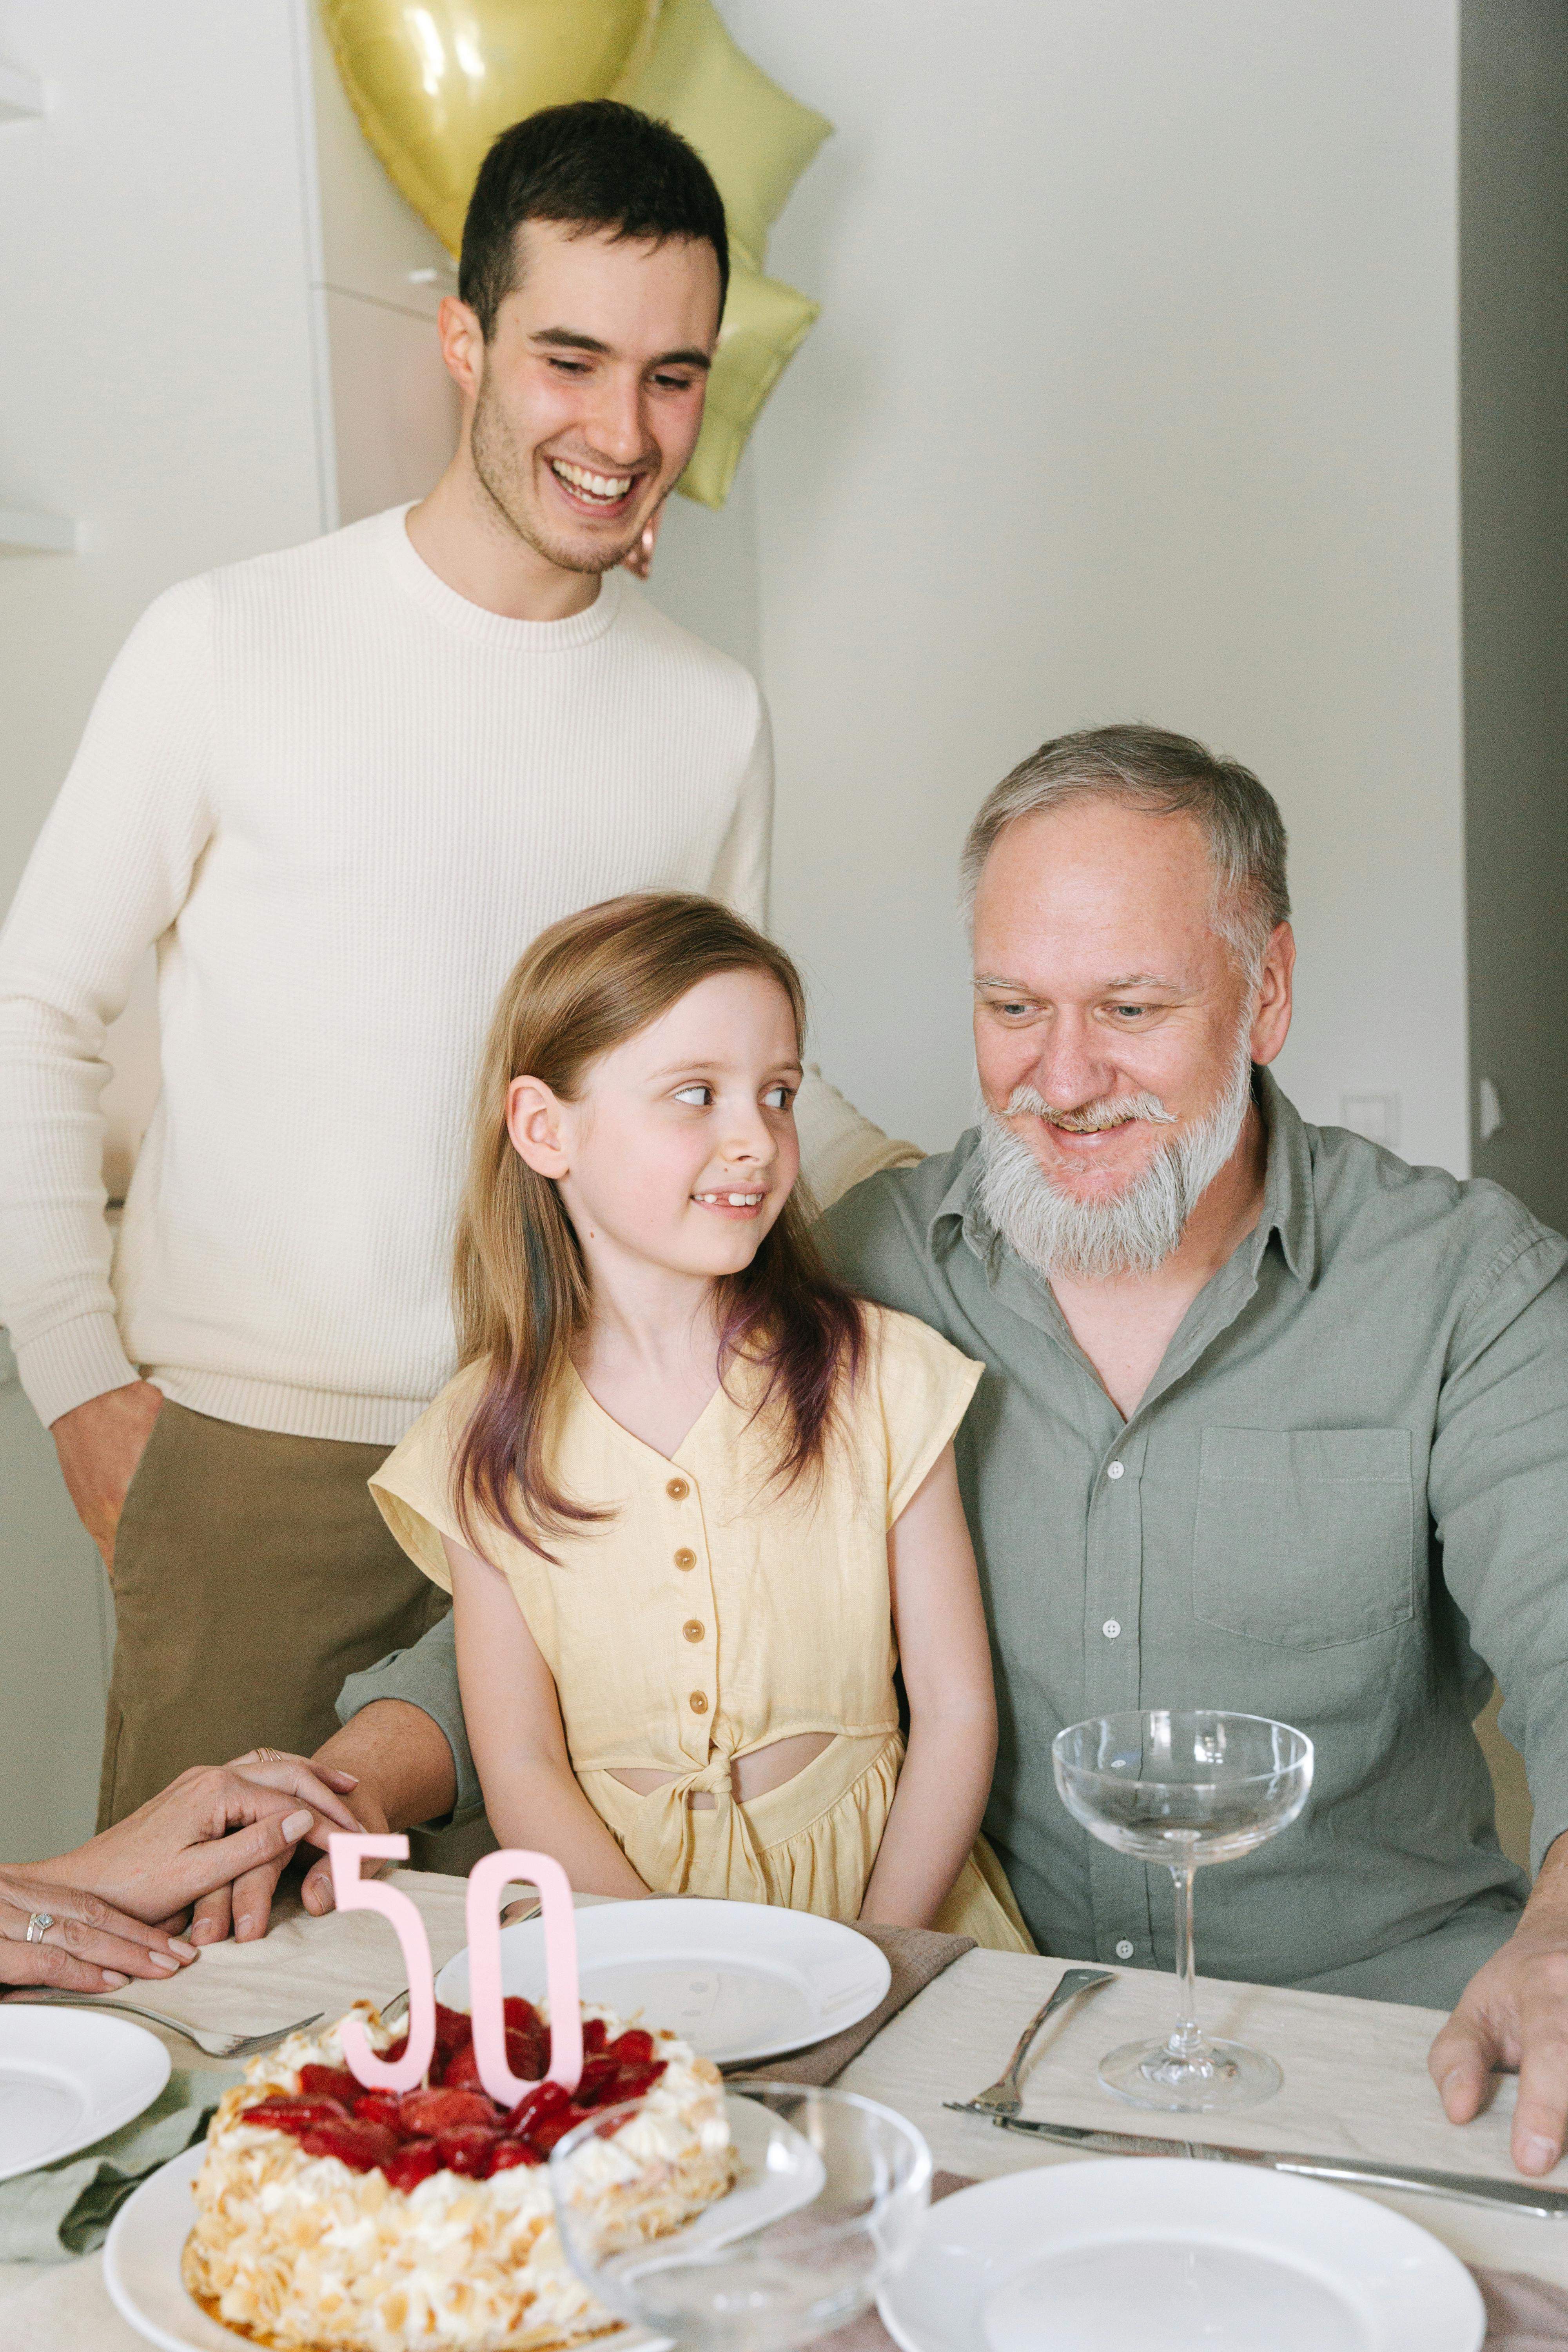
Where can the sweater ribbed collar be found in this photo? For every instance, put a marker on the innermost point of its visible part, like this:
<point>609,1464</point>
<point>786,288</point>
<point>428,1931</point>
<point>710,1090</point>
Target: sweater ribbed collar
<point>416,578</point>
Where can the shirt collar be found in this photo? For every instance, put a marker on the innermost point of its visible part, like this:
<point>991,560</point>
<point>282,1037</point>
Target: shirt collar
<point>1288,1209</point>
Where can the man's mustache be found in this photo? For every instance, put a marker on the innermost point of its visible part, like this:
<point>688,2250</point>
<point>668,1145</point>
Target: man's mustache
<point>1090,1119</point>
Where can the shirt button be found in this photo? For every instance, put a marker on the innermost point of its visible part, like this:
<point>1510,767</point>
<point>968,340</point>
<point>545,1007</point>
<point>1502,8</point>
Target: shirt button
<point>1124,1949</point>
<point>694,1629</point>
<point>698,1702</point>
<point>1116,1469</point>
<point>1111,1628</point>
<point>677,1490</point>
<point>684,1559</point>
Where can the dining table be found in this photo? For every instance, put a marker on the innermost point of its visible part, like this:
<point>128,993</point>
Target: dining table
<point>1355,2080</point>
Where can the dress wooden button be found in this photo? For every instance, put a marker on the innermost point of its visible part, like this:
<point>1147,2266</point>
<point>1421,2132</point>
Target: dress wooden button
<point>694,1629</point>
<point>684,1559</point>
<point>698,1702</point>
<point>677,1490</point>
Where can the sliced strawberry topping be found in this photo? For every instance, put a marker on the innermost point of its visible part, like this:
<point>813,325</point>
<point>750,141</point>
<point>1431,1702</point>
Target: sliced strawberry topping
<point>415,2161</point>
<point>294,2115</point>
<point>454,2124</point>
<point>526,2054</point>
<point>394,2050</point>
<point>544,2099</point>
<point>454,2032</point>
<point>636,2082</point>
<point>361,2147</point>
<point>544,2135</point>
<point>595,2079</point>
<point>378,2107</point>
<point>329,2082</point>
<point>467,2149</point>
<point>437,2111</point>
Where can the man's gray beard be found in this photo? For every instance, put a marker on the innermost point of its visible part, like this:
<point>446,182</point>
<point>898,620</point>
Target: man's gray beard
<point>1086,1240</point>
<point>495,460</point>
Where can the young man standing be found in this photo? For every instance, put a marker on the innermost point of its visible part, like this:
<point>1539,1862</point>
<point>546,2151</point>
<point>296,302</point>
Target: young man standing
<point>342,788</point>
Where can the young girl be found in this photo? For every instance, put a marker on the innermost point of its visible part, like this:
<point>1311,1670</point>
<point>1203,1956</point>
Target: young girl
<point>694,1502</point>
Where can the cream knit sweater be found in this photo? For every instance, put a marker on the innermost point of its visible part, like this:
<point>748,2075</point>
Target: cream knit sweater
<point>342,799</point>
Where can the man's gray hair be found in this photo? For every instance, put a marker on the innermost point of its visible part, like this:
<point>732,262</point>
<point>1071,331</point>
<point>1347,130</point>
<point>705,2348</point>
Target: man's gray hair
<point>1169,775</point>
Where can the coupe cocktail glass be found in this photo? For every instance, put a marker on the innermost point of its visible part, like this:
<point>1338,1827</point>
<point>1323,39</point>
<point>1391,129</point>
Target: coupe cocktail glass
<point>830,2192</point>
<point>1184,1790</point>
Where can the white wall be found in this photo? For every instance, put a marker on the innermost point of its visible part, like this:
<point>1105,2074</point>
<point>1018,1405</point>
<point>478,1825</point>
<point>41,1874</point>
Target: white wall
<point>1133,395</point>
<point>156,382</point>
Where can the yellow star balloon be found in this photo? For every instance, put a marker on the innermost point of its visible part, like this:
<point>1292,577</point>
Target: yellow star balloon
<point>756,140</point>
<point>434,83</point>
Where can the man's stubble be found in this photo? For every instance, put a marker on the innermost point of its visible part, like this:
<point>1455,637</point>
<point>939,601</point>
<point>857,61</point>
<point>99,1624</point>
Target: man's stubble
<point>506,477</point>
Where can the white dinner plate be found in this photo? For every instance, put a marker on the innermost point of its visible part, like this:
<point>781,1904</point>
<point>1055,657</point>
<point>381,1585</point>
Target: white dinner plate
<point>739,1981</point>
<point>1129,2254</point>
<point>147,2238</point>
<point>67,2076</point>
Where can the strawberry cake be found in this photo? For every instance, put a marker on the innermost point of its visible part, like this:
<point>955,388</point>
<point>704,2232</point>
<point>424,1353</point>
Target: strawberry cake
<point>344,2219</point>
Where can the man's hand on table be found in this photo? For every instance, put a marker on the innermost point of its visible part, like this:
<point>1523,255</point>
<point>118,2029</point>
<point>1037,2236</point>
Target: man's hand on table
<point>101,1444</point>
<point>1514,2015</point>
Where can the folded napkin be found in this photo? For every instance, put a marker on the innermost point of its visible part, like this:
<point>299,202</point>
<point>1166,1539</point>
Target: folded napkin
<point>1523,2315</point>
<point>916,1955</point>
<point>66,2208</point>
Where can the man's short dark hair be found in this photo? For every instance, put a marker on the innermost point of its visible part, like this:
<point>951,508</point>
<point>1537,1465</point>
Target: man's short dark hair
<point>595,165</point>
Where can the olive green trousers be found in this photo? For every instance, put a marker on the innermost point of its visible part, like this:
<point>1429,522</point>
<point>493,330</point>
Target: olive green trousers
<point>252,1573</point>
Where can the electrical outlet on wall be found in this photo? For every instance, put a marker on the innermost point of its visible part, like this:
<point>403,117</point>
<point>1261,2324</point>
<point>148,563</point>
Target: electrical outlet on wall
<point>1374,1116</point>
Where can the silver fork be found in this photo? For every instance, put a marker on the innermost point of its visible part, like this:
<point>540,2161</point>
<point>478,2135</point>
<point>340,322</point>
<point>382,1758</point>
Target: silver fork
<point>1004,2098</point>
<point>217,2045</point>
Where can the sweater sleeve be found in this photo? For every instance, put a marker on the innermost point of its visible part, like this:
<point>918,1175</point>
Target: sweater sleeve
<point>108,875</point>
<point>739,875</point>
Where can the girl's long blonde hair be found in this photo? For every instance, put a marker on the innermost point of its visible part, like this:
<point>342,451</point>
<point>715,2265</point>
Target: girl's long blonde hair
<point>520,1287</point>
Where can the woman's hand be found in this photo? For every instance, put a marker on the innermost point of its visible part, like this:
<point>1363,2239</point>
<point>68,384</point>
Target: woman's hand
<point>89,1947</point>
<point>213,1828</point>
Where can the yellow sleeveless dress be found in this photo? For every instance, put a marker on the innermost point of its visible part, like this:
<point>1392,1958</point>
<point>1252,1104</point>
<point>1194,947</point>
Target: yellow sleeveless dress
<point>710,1616</point>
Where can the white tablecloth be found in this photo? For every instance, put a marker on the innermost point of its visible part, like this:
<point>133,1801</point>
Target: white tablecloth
<point>1356,2081</point>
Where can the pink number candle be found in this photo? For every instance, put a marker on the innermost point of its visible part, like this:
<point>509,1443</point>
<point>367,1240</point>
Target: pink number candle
<point>486,1881</point>
<point>353,1892</point>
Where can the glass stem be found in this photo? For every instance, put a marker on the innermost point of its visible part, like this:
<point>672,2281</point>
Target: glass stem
<point>1188,2041</point>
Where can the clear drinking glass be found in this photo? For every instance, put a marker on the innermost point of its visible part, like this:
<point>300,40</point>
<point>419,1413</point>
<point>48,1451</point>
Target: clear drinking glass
<point>1184,1790</point>
<point>830,2192</point>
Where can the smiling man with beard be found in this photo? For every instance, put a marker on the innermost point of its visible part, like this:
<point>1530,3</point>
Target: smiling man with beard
<point>1271,1420</point>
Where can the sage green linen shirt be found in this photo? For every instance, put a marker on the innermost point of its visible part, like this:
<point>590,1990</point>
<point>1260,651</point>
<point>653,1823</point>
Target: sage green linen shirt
<point>1345,1488</point>
<point>1343,1497</point>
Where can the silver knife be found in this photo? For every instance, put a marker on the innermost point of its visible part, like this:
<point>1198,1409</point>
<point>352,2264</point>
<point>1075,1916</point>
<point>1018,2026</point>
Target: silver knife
<point>1519,2196</point>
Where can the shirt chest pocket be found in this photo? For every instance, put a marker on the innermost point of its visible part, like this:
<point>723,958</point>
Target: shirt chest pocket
<point>1304,1536</point>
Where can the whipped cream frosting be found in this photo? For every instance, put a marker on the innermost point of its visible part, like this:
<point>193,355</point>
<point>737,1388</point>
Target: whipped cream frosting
<point>297,2251</point>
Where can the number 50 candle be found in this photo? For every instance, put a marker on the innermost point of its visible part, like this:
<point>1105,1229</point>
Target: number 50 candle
<point>486,1881</point>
